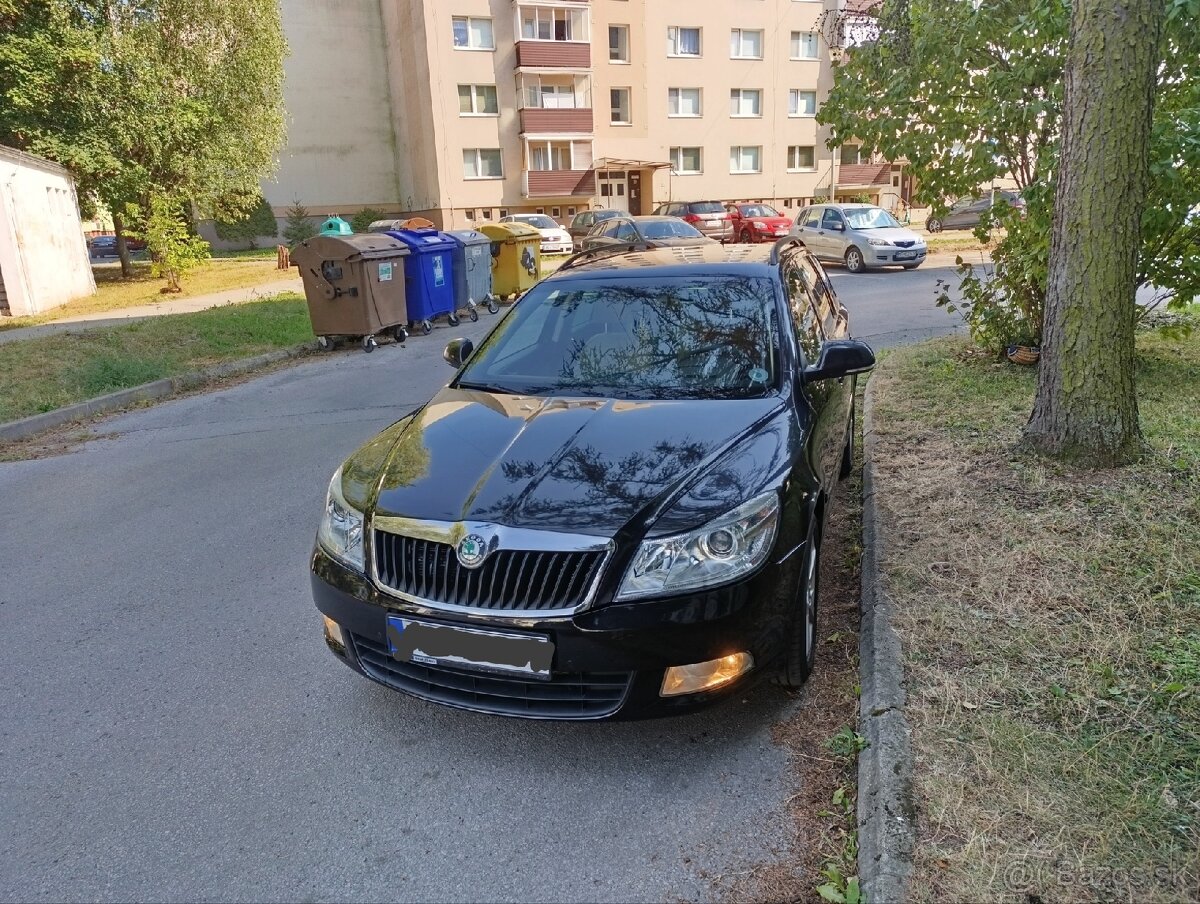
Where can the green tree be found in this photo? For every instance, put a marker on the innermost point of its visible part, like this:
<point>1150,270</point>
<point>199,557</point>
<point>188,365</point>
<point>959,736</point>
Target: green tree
<point>298,227</point>
<point>1086,406</point>
<point>362,220</point>
<point>174,249</point>
<point>260,222</point>
<point>146,98</point>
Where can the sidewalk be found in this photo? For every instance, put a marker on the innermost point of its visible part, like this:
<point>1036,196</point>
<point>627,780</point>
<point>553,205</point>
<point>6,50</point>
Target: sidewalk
<point>141,312</point>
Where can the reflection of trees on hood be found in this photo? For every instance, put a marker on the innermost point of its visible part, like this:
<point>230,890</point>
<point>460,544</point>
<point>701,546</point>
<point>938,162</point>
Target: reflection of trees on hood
<point>710,336</point>
<point>634,479</point>
<point>409,461</point>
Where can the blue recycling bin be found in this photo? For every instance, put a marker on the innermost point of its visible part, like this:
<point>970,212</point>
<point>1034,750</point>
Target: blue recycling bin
<point>428,276</point>
<point>472,271</point>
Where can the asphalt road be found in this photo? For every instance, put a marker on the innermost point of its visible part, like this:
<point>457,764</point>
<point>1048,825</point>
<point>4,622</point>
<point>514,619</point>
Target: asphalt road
<point>173,728</point>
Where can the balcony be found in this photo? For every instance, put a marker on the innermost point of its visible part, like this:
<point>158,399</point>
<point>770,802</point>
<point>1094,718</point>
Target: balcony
<point>559,183</point>
<point>852,174</point>
<point>554,54</point>
<point>557,122</point>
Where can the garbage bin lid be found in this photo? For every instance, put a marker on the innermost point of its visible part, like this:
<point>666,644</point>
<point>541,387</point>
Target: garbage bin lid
<point>366,246</point>
<point>510,232</point>
<point>336,226</point>
<point>468,237</point>
<point>422,239</point>
<point>386,225</point>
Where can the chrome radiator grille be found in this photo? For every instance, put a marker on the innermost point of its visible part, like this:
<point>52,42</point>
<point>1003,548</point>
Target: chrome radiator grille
<point>508,580</point>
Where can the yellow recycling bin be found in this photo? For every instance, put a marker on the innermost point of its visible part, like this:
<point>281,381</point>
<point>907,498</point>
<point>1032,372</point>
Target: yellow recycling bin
<point>516,257</point>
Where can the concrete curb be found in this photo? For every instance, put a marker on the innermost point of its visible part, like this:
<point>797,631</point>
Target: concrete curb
<point>168,386</point>
<point>886,807</point>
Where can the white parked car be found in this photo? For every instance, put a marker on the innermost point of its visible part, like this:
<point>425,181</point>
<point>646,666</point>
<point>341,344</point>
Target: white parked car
<point>555,239</point>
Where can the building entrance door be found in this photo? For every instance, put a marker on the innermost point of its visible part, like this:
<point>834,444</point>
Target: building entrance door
<point>635,193</point>
<point>614,187</point>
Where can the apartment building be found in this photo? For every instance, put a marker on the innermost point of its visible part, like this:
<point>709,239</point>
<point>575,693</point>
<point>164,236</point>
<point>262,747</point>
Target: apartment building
<point>467,110</point>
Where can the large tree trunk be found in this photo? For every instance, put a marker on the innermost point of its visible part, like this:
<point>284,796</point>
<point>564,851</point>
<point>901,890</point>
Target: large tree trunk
<point>1086,409</point>
<point>122,248</point>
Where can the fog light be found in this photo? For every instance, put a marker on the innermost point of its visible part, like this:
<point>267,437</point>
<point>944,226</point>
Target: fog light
<point>704,676</point>
<point>333,633</point>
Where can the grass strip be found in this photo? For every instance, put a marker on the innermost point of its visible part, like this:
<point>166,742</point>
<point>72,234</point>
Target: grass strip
<point>42,374</point>
<point>1050,619</point>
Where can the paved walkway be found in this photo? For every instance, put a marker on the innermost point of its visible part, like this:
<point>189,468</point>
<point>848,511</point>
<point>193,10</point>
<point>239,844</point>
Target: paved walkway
<point>77,323</point>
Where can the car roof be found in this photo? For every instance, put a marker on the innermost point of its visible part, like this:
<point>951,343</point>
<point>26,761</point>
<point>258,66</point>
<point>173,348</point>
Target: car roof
<point>654,218</point>
<point>678,260</point>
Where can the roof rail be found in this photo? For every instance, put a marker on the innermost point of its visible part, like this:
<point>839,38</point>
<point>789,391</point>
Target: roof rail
<point>781,244</point>
<point>591,254</point>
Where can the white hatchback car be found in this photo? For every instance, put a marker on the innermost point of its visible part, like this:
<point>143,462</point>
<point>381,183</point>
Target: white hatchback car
<point>861,236</point>
<point>555,239</point>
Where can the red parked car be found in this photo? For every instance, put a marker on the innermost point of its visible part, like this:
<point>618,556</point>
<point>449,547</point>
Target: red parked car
<point>757,223</point>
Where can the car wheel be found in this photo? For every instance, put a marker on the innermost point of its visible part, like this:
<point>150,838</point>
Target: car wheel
<point>854,261</point>
<point>848,449</point>
<point>746,237</point>
<point>801,643</point>
<point>934,225</point>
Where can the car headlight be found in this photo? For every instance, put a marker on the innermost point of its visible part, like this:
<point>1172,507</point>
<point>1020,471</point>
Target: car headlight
<point>883,242</point>
<point>759,225</point>
<point>341,530</point>
<point>724,549</point>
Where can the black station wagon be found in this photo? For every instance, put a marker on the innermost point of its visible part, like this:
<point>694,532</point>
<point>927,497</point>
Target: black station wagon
<point>615,507</point>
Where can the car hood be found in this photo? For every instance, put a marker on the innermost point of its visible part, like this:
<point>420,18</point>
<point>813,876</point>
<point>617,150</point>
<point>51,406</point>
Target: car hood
<point>553,232</point>
<point>892,234</point>
<point>582,465</point>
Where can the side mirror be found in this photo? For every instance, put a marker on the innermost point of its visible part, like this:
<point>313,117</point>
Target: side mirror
<point>840,358</point>
<point>458,351</point>
<point>839,227</point>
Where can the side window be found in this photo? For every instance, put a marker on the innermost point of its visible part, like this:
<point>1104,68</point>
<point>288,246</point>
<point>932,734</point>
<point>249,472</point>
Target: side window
<point>585,220</point>
<point>610,231</point>
<point>831,219</point>
<point>804,320</point>
<point>678,210</point>
<point>814,218</point>
<point>626,232</point>
<point>824,301</point>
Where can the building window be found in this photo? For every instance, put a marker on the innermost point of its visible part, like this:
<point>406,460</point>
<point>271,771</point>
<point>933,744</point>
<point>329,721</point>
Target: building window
<point>556,211</point>
<point>482,163</point>
<point>487,213</point>
<point>473,33</point>
<point>801,158</point>
<point>539,210</point>
<point>851,154</point>
<point>554,97</point>
<point>559,155</point>
<point>570,211</point>
<point>619,100</point>
<point>683,42</point>
<point>683,101</point>
<point>745,159</point>
<point>618,43</point>
<point>745,102</point>
<point>685,161</point>
<point>477,100</point>
<point>802,103</point>
<point>503,212</point>
<point>469,213</point>
<point>549,24</point>
<point>745,44</point>
<point>804,45</point>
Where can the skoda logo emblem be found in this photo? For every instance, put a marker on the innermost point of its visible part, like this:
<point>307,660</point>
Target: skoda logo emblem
<point>472,550</point>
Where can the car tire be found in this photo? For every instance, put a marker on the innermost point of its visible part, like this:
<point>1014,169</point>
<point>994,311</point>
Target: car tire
<point>934,225</point>
<point>855,262</point>
<point>848,449</point>
<point>800,651</point>
<point>746,237</point>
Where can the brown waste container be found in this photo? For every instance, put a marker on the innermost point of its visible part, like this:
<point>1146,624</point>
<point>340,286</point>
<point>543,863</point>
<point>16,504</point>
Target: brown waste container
<point>355,287</point>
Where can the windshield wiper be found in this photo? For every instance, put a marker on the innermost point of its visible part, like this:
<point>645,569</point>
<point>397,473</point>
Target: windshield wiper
<point>488,387</point>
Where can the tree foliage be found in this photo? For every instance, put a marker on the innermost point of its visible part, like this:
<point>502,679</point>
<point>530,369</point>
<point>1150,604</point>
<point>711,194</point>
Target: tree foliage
<point>362,220</point>
<point>174,250</point>
<point>147,98</point>
<point>260,222</point>
<point>970,93</point>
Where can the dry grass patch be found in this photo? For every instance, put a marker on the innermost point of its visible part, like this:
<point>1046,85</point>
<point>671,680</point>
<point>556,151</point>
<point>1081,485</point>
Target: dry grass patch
<point>1050,619</point>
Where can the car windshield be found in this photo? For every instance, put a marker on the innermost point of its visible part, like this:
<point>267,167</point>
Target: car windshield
<point>608,214</point>
<point>870,218</point>
<point>537,221</point>
<point>634,338</point>
<point>758,210</point>
<point>669,229</point>
<point>706,207</point>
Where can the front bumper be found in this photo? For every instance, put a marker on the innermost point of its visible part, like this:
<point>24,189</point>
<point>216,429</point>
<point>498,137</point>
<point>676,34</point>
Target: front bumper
<point>556,247</point>
<point>609,660</point>
<point>881,257</point>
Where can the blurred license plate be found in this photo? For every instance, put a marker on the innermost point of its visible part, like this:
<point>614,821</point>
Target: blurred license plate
<point>905,255</point>
<point>781,232</point>
<point>427,643</point>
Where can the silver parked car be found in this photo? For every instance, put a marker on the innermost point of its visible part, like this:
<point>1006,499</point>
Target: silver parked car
<point>861,236</point>
<point>967,212</point>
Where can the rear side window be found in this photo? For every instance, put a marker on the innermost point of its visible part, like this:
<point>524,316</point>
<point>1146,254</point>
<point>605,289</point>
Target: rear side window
<point>805,324</point>
<point>814,218</point>
<point>706,207</point>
